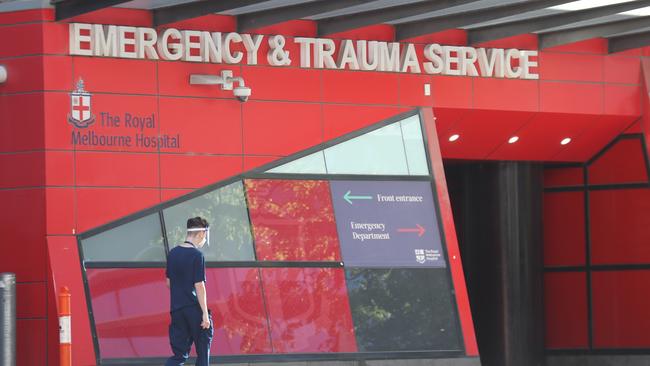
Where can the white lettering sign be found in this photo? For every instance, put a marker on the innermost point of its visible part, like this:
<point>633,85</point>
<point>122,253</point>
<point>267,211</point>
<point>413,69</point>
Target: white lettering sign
<point>234,48</point>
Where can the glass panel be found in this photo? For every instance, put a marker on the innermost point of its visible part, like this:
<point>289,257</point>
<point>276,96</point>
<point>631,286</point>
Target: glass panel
<point>225,210</point>
<point>377,152</point>
<point>140,240</point>
<point>131,311</point>
<point>387,224</point>
<point>310,164</point>
<point>235,297</point>
<point>402,309</point>
<point>414,145</point>
<point>308,310</point>
<point>292,220</point>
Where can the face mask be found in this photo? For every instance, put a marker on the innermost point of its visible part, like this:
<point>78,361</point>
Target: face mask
<point>206,238</point>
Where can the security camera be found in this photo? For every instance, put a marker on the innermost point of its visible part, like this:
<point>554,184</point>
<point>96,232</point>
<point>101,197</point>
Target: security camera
<point>242,93</point>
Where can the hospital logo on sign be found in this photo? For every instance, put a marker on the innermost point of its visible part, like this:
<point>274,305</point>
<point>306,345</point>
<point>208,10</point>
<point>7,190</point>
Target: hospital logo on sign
<point>80,114</point>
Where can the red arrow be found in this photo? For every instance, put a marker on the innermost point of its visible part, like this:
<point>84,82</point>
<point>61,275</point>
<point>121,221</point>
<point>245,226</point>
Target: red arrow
<point>420,230</point>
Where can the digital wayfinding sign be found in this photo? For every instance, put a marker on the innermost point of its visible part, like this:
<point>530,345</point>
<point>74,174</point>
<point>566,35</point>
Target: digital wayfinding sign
<point>387,224</point>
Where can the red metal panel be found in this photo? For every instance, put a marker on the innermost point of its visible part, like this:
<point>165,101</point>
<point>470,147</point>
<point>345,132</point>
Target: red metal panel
<point>564,228</point>
<point>339,120</point>
<point>360,87</point>
<point>521,41</point>
<point>168,194</point>
<point>571,98</point>
<point>60,210</point>
<point>24,223</point>
<point>622,69</point>
<point>634,128</point>
<point>203,125</point>
<point>563,177</point>
<point>565,305</point>
<point>452,92</point>
<point>278,83</point>
<point>56,38</point>
<point>505,94</point>
<point>210,23</point>
<point>252,162</point>
<point>117,16</point>
<point>58,131</point>
<point>125,76</point>
<point>14,172</point>
<point>30,342</point>
<point>194,171</point>
<point>292,28</point>
<point>411,90</point>
<point>540,138</point>
<point>26,74</point>
<point>15,43</point>
<point>448,117</point>
<point>31,300</point>
<point>481,133</point>
<point>57,73</point>
<point>601,131</point>
<point>59,168</point>
<point>620,226</point>
<point>98,169</point>
<point>620,306</point>
<point>449,228</point>
<point>20,113</point>
<point>594,46</point>
<point>98,206</point>
<point>308,310</point>
<point>451,37</point>
<point>293,220</point>
<point>66,271</point>
<point>623,100</point>
<point>622,163</point>
<point>377,32</point>
<point>570,67</point>
<point>26,16</point>
<point>280,128</point>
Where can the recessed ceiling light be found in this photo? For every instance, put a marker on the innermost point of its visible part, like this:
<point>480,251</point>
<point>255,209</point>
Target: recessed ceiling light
<point>565,141</point>
<point>513,139</point>
<point>454,137</point>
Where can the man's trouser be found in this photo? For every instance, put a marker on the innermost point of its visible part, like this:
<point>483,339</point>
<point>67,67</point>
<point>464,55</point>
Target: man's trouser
<point>184,330</point>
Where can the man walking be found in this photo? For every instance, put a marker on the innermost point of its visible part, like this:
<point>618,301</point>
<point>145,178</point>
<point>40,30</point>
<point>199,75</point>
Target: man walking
<point>190,318</point>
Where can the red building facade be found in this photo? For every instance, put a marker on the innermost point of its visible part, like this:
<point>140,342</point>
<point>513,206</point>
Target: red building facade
<point>56,183</point>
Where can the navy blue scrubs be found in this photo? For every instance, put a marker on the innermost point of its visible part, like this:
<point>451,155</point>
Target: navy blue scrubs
<point>185,267</point>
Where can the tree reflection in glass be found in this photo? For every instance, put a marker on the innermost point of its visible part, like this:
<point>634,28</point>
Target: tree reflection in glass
<point>293,220</point>
<point>402,309</point>
<point>225,210</point>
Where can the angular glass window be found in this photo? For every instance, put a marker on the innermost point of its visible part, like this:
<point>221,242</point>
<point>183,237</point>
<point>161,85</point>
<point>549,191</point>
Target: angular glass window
<point>137,241</point>
<point>225,210</point>
<point>403,310</point>
<point>380,152</point>
<point>414,146</point>
<point>395,149</point>
<point>310,164</point>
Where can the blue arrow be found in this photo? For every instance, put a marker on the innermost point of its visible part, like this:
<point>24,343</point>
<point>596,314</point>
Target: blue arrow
<point>348,197</point>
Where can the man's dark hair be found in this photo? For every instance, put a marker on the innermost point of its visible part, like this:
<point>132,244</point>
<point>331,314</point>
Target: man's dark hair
<point>197,222</point>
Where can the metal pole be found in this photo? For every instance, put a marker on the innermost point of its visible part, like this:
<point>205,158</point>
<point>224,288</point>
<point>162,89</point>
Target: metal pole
<point>7,319</point>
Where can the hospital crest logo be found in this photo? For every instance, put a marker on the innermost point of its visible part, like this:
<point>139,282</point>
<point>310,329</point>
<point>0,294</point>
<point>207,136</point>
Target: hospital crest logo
<point>80,114</point>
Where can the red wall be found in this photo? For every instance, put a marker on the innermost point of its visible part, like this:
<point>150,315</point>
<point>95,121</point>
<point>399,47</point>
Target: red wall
<point>596,235</point>
<point>55,189</point>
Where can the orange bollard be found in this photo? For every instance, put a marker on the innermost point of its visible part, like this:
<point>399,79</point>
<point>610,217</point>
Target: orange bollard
<point>65,337</point>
